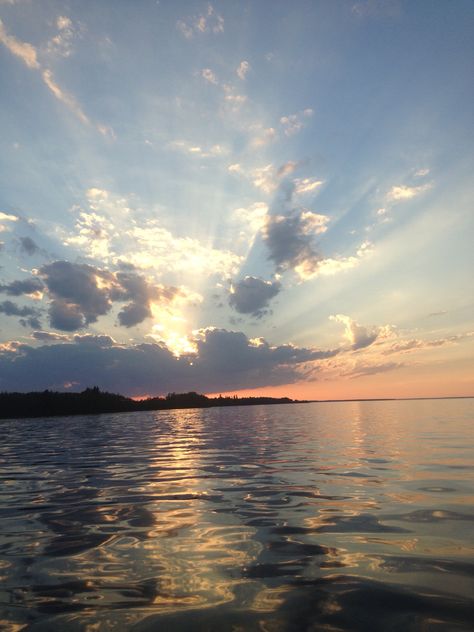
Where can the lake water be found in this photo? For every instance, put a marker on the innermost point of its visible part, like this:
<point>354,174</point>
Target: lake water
<point>325,516</point>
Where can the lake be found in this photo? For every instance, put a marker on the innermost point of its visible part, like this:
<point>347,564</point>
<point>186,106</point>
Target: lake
<point>323,516</point>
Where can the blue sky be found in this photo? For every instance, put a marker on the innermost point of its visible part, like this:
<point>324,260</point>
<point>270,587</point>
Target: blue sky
<point>231,196</point>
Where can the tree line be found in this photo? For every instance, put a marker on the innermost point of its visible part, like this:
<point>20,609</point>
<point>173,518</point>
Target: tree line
<point>94,401</point>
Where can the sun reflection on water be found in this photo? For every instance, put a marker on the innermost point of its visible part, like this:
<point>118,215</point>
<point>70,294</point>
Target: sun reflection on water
<point>269,518</point>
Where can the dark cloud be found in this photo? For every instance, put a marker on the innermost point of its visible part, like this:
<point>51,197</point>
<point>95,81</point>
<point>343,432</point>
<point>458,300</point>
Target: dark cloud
<point>27,286</point>
<point>136,289</point>
<point>46,336</point>
<point>66,316</point>
<point>133,314</point>
<point>152,368</point>
<point>28,246</point>
<point>33,322</point>
<point>252,295</point>
<point>363,337</point>
<point>12,309</point>
<point>358,335</point>
<point>80,293</point>
<point>290,240</point>
<point>100,340</point>
<point>29,315</point>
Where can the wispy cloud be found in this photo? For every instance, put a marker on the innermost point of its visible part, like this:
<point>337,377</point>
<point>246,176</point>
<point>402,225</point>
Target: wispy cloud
<point>198,151</point>
<point>61,44</point>
<point>415,344</point>
<point>24,51</point>
<point>294,123</point>
<point>29,56</point>
<point>209,22</point>
<point>402,192</point>
<point>64,97</point>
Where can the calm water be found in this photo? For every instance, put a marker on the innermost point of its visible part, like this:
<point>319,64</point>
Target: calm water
<point>351,516</point>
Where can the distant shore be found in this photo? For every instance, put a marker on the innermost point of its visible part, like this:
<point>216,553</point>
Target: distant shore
<point>93,401</point>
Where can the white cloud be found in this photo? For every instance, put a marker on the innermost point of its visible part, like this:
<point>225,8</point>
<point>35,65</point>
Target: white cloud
<point>261,136</point>
<point>403,192</point>
<point>250,221</point>
<point>62,43</point>
<point>209,76</point>
<point>111,230</point>
<point>8,217</point>
<point>312,268</point>
<point>421,173</point>
<point>294,123</point>
<point>198,151</point>
<point>253,216</point>
<point>306,185</point>
<point>209,22</point>
<point>243,69</point>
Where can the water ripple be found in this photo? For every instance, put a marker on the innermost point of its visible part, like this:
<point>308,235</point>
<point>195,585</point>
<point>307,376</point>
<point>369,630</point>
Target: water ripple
<point>240,519</point>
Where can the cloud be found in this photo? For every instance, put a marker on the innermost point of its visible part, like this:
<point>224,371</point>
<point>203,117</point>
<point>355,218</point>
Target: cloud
<point>266,178</point>
<point>12,309</point>
<point>140,294</point>
<point>64,97</point>
<point>362,369</point>
<point>48,336</point>
<point>27,286</point>
<point>152,368</point>
<point>261,136</point>
<point>62,43</point>
<point>209,76</point>
<point>421,173</point>
<point>294,123</point>
<point>68,316</point>
<point>209,22</point>
<point>7,217</point>
<point>306,185</point>
<point>407,346</point>
<point>252,295</point>
<point>26,52</point>
<point>29,315</point>
<point>249,222</point>
<point>100,340</point>
<point>358,336</point>
<point>290,232</point>
<point>290,238</point>
<point>112,231</point>
<point>242,69</point>
<point>28,246</point>
<point>402,192</point>
<point>328,266</point>
<point>196,150</point>
<point>79,294</point>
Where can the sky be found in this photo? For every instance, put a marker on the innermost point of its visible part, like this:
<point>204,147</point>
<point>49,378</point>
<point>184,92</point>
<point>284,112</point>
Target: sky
<point>237,197</point>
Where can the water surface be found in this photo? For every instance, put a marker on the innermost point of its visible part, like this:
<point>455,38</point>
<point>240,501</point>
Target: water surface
<point>328,516</point>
